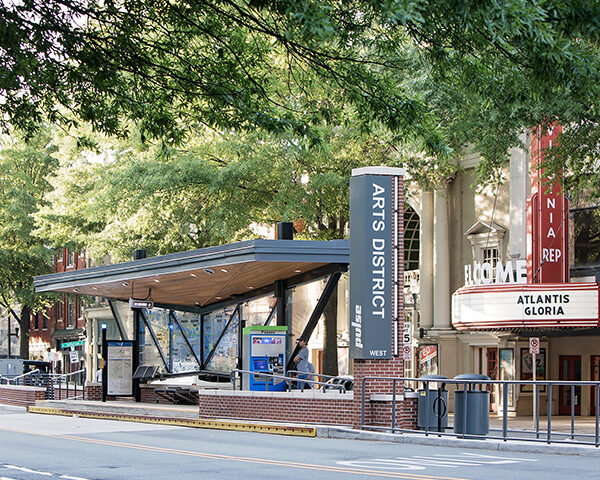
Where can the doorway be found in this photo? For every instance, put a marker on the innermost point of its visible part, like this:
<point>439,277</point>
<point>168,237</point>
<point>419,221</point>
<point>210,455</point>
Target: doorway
<point>594,377</point>
<point>492,372</point>
<point>569,369</point>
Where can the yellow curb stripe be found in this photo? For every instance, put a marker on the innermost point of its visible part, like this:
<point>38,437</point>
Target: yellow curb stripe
<point>187,422</point>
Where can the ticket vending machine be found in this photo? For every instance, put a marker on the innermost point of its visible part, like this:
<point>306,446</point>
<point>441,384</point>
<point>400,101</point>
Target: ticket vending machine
<point>264,351</point>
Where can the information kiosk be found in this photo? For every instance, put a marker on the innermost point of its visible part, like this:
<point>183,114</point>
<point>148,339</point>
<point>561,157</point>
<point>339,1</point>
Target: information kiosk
<point>264,351</point>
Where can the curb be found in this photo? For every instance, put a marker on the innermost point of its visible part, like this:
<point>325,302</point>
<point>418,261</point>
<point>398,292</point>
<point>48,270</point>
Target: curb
<point>181,422</point>
<point>493,445</point>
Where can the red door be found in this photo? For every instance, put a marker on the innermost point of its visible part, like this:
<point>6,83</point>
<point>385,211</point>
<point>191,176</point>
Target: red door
<point>569,369</point>
<point>594,377</point>
<point>492,372</point>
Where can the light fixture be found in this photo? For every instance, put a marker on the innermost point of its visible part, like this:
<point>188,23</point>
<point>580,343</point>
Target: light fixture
<point>104,326</point>
<point>223,270</point>
<point>218,297</point>
<point>157,280</point>
<point>193,275</point>
<point>76,290</point>
<point>125,284</point>
<point>249,288</point>
<point>94,288</point>
<point>210,271</point>
<point>297,270</point>
<point>197,304</point>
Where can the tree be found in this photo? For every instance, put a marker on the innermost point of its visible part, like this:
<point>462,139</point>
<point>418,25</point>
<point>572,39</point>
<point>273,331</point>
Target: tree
<point>24,168</point>
<point>171,67</point>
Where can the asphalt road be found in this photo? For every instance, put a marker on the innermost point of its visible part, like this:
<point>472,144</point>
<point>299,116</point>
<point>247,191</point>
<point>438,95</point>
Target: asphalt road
<point>39,446</point>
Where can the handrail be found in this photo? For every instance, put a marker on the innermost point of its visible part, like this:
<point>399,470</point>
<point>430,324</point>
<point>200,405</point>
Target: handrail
<point>534,434</point>
<point>18,377</point>
<point>340,387</point>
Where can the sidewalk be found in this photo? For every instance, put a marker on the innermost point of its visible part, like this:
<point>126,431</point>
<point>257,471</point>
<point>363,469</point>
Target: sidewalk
<point>187,415</point>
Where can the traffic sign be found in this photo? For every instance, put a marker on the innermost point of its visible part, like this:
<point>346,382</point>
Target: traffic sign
<point>406,352</point>
<point>74,356</point>
<point>534,345</point>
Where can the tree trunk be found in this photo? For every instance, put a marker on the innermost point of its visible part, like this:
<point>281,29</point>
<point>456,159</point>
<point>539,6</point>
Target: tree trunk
<point>330,360</point>
<point>24,323</point>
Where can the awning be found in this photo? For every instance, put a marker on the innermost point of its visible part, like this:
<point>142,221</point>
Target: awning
<point>207,276</point>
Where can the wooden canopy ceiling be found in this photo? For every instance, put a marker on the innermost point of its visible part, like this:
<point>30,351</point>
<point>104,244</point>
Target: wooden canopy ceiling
<point>204,277</point>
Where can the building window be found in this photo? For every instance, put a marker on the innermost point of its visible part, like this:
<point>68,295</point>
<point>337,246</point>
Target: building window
<point>60,309</point>
<point>487,242</point>
<point>491,256</point>
<point>36,323</point>
<point>411,239</point>
<point>586,229</point>
<point>44,321</point>
<point>70,313</point>
<point>59,255</point>
<point>71,259</point>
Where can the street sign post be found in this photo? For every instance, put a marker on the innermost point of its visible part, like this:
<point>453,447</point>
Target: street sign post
<point>534,349</point>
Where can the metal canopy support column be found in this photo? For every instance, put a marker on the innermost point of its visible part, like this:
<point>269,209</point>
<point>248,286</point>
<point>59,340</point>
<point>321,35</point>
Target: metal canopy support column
<point>212,351</point>
<point>280,289</point>
<point>117,317</point>
<point>137,394</point>
<point>176,320</point>
<point>155,340</point>
<point>271,314</point>
<point>316,314</point>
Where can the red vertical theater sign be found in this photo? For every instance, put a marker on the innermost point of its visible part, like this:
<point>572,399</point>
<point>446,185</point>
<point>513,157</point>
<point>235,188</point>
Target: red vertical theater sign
<point>547,216</point>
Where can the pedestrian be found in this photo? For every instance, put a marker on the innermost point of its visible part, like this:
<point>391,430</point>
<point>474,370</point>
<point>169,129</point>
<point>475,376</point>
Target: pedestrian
<point>99,376</point>
<point>302,364</point>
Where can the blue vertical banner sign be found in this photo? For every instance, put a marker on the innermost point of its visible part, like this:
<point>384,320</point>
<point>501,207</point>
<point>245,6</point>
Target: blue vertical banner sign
<point>372,261</point>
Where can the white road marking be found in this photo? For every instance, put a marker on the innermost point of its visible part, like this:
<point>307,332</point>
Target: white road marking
<point>420,462</point>
<point>7,478</point>
<point>28,470</point>
<point>68,477</point>
<point>479,455</point>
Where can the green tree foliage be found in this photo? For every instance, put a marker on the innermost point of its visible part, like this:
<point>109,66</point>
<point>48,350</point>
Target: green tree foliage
<point>24,169</point>
<point>444,73</point>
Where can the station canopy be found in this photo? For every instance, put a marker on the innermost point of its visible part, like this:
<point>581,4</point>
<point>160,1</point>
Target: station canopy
<point>204,278</point>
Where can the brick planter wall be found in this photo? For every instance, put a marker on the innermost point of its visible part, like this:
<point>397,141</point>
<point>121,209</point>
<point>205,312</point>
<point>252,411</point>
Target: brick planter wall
<point>20,395</point>
<point>295,407</point>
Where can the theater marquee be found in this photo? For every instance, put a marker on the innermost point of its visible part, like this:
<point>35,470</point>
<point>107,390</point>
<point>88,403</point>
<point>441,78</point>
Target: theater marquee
<point>526,306</point>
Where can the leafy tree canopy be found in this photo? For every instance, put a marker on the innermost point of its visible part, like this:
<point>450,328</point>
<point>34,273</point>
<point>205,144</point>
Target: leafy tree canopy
<point>440,72</point>
<point>24,169</point>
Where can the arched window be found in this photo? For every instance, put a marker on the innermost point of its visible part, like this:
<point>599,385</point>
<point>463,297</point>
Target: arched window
<point>411,239</point>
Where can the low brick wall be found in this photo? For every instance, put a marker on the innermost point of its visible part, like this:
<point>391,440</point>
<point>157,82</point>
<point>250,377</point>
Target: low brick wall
<point>379,412</point>
<point>298,407</point>
<point>20,395</point>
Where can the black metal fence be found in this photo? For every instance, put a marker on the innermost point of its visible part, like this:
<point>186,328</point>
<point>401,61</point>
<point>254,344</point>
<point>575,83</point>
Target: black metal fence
<point>460,408</point>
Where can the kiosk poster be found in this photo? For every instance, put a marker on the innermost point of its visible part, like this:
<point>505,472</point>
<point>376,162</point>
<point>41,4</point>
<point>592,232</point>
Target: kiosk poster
<point>120,367</point>
<point>527,368</point>
<point>370,266</point>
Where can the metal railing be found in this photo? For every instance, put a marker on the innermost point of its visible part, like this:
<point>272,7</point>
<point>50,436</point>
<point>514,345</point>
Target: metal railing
<point>237,374</point>
<point>537,433</point>
<point>68,383</point>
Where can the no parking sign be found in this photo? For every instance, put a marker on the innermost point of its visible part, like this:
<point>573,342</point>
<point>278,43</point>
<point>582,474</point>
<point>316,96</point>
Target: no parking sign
<point>534,345</point>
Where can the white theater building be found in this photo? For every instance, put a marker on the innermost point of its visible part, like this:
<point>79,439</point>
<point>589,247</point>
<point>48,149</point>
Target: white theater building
<point>497,268</point>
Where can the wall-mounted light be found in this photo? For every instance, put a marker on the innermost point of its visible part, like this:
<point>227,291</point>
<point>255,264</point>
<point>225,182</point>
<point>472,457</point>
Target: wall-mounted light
<point>103,326</point>
<point>125,284</point>
<point>76,290</point>
<point>210,271</point>
<point>197,304</point>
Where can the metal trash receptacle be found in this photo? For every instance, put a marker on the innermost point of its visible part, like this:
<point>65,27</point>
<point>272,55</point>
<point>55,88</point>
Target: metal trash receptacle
<point>471,406</point>
<point>432,406</point>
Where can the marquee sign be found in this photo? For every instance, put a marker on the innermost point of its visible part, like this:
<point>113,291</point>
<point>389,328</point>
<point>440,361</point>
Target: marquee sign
<point>375,262</point>
<point>526,306</point>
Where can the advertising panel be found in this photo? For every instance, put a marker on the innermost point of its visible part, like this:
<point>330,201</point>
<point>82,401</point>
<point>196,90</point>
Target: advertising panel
<point>120,367</point>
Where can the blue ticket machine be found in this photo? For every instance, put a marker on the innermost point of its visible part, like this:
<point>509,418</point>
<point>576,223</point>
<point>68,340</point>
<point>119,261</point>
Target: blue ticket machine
<point>264,351</point>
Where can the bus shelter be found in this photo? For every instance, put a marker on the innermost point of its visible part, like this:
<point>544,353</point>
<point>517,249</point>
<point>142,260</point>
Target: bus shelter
<point>184,312</point>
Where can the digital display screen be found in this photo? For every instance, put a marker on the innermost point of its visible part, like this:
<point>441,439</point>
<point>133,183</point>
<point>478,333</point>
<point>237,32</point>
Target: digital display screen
<point>260,364</point>
<point>267,340</point>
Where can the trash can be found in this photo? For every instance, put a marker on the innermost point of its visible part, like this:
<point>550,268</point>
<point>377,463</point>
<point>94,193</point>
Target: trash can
<point>471,406</point>
<point>432,406</point>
